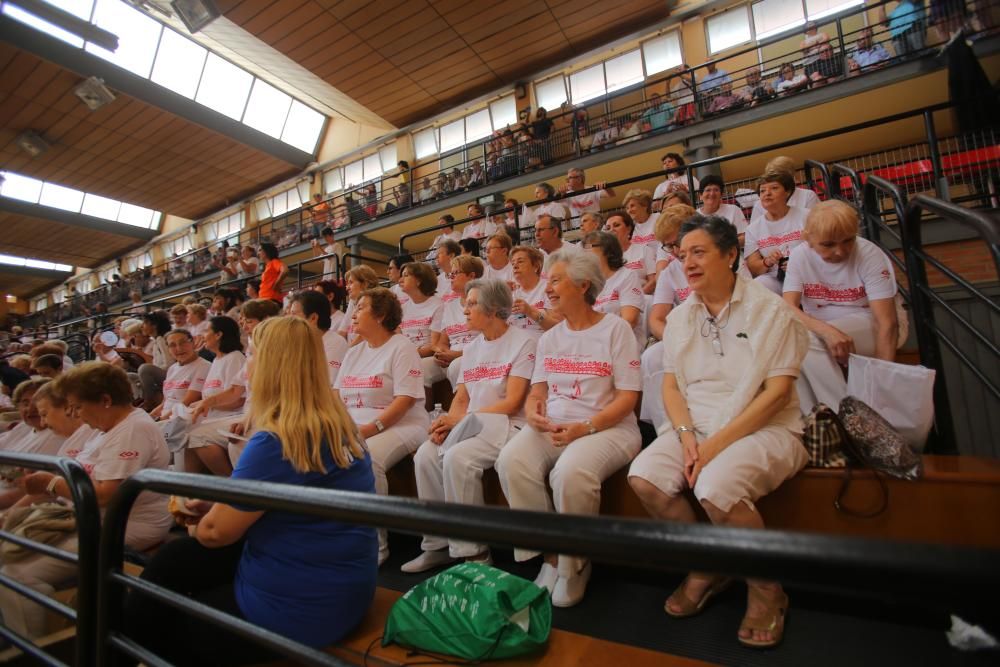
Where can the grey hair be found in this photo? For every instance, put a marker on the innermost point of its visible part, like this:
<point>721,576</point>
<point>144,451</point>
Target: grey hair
<point>554,221</point>
<point>580,266</point>
<point>582,174</point>
<point>495,297</point>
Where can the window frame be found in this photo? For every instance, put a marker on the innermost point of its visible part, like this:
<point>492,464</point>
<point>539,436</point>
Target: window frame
<point>747,12</point>
<point>680,44</point>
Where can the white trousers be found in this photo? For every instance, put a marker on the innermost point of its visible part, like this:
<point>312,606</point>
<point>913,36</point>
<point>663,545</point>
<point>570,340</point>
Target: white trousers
<point>651,409</point>
<point>746,470</point>
<point>387,449</point>
<point>821,379</point>
<point>41,573</point>
<point>455,475</point>
<point>434,373</point>
<point>575,472</point>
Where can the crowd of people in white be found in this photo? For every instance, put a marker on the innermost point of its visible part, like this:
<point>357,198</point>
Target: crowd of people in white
<point>719,331</point>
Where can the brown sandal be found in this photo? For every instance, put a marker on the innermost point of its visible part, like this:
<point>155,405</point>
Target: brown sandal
<point>689,607</point>
<point>772,620</point>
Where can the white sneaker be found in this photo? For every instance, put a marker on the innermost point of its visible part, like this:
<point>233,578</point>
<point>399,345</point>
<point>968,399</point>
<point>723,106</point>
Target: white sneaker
<point>569,591</point>
<point>427,560</point>
<point>547,577</point>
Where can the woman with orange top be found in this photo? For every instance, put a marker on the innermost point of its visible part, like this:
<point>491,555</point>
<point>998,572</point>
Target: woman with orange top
<point>274,273</point>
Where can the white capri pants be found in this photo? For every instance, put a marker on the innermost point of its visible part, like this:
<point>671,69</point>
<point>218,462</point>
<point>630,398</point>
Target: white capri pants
<point>575,472</point>
<point>746,470</point>
<point>387,449</point>
<point>433,373</point>
<point>455,475</point>
<point>651,409</point>
<point>821,379</point>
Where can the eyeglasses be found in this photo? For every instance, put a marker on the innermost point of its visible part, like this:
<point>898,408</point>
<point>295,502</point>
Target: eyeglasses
<point>671,247</point>
<point>539,230</point>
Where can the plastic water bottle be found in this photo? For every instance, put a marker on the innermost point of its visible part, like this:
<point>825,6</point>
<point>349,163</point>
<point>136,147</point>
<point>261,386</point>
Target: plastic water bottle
<point>436,412</point>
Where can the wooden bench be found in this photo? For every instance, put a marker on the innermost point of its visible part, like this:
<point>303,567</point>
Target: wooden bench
<point>957,501</point>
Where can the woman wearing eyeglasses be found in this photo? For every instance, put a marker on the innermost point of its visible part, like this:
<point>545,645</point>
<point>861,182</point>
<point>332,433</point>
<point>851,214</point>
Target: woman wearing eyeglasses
<point>731,354</point>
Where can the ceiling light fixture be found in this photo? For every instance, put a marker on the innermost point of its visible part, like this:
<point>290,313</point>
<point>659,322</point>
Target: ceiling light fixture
<point>31,142</point>
<point>70,23</point>
<point>94,93</point>
<point>196,14</point>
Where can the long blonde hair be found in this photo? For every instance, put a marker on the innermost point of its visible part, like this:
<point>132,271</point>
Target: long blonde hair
<point>290,396</point>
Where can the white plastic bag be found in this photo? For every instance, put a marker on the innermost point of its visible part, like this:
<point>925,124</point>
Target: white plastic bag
<point>902,393</point>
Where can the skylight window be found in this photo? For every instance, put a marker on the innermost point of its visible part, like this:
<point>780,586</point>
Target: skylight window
<point>25,188</point>
<point>33,263</point>
<point>166,57</point>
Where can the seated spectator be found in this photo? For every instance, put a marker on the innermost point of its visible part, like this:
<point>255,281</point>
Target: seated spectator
<point>843,289</point>
<point>185,378</point>
<point>475,176</point>
<point>638,258</point>
<point>682,95</point>
<point>867,54</point>
<point>455,332</point>
<point>358,279</point>
<point>337,298</point>
<point>725,99</point>
<point>197,323</point>
<point>394,271</point>
<point>448,233</point>
<point>127,440</point>
<point>221,399</point>
<point>606,136</point>
<point>382,386</point>
<point>329,246</point>
<point>371,201</point>
<point>274,273</point>
<point>314,308</point>
<point>659,115</point>
<point>56,347</point>
<point>470,247</point>
<point>308,579</point>
<point>48,366</point>
<point>496,368</point>
<point>622,293</point>
<point>553,209</point>
<point>447,251</point>
<point>711,82</point>
<point>422,310</point>
<point>30,436</point>
<point>801,197</point>
<point>828,66</point>
<point>179,316</point>
<point>426,192</point>
<point>253,288</point>
<point>671,291</point>
<point>676,180</point>
<point>497,265</point>
<point>789,81</point>
<point>581,427</point>
<point>53,408</point>
<point>585,202</point>
<point>480,227</point>
<point>510,220</point>
<point>106,353</point>
<point>811,46</point>
<point>756,90</point>
<point>711,204</point>
<point>639,205</point>
<point>590,222</point>
<point>21,362</point>
<point>737,428</point>
<point>532,311</point>
<point>155,326</point>
<point>548,236</point>
<point>770,238</point>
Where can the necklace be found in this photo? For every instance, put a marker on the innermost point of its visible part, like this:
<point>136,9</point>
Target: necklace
<point>713,325</point>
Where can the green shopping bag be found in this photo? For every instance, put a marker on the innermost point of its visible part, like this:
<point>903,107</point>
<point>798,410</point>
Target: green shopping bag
<point>472,611</point>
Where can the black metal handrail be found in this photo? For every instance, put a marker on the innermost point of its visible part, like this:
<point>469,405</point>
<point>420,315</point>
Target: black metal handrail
<point>88,527</point>
<point>839,170</point>
<point>824,185</point>
<point>928,574</point>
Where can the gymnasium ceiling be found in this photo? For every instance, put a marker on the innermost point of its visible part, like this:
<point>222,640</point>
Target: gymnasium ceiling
<point>375,61</point>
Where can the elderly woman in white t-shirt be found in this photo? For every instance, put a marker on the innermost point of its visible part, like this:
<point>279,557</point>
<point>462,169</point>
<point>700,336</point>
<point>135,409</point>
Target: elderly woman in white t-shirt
<point>222,399</point>
<point>639,205</point>
<point>639,257</point>
<point>421,308</point>
<point>31,436</point>
<point>451,322</point>
<point>771,238</point>
<point>843,289</point>
<point>622,292</point>
<point>732,352</point>
<point>357,280</point>
<point>581,426</point>
<point>712,204</point>
<point>487,410</point>
<point>127,440</point>
<point>382,385</point>
<point>185,377</point>
<point>532,311</point>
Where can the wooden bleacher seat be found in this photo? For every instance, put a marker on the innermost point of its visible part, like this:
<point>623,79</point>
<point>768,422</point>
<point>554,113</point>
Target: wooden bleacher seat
<point>945,506</point>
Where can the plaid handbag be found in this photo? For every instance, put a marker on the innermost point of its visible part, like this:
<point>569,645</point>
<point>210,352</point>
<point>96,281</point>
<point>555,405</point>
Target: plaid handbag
<point>824,438</point>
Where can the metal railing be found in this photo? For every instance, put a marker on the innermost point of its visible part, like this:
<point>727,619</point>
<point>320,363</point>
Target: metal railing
<point>88,527</point>
<point>941,576</point>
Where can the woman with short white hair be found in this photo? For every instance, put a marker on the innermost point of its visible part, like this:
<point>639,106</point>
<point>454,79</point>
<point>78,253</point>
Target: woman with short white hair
<point>843,289</point>
<point>581,425</point>
<point>488,408</point>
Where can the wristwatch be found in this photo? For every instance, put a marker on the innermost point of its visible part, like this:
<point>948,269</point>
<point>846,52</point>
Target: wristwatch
<point>51,487</point>
<point>379,426</point>
<point>541,316</point>
<point>591,429</point>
